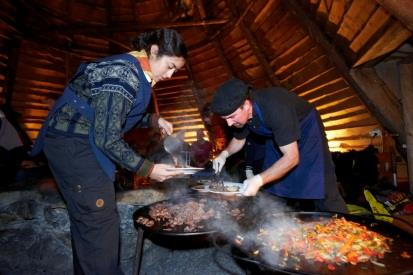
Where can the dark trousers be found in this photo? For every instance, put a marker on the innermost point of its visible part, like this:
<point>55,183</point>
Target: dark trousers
<point>90,198</point>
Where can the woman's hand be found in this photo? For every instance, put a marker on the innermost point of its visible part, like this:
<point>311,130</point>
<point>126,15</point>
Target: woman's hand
<point>165,126</point>
<point>163,172</point>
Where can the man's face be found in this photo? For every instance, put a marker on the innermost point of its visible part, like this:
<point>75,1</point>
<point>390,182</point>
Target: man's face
<point>240,117</point>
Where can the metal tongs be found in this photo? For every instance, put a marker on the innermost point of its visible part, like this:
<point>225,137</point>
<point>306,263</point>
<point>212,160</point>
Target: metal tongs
<point>218,178</point>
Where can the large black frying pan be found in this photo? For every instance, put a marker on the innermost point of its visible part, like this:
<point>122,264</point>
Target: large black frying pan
<point>160,229</point>
<point>393,262</point>
<point>221,205</point>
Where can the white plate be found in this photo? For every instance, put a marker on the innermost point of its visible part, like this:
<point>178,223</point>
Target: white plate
<point>200,188</point>
<point>205,188</point>
<point>186,170</point>
<point>228,184</point>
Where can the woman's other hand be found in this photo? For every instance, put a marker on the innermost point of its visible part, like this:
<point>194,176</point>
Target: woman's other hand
<point>165,126</point>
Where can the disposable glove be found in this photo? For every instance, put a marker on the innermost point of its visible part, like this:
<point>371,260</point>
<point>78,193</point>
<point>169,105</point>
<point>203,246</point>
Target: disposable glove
<point>251,186</point>
<point>219,162</point>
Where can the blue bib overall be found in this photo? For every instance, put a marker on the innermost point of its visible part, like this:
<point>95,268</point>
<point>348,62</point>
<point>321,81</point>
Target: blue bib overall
<point>69,97</point>
<point>306,180</point>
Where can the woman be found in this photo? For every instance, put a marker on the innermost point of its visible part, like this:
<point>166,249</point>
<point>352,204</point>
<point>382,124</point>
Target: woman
<point>82,139</point>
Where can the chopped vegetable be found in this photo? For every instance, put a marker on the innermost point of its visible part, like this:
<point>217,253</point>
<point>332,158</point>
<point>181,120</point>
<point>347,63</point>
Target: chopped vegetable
<point>334,241</point>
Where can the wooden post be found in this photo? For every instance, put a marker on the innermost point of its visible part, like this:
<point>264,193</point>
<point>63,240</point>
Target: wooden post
<point>406,91</point>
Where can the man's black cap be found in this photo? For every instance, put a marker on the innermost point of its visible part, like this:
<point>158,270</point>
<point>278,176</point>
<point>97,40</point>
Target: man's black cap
<point>229,97</point>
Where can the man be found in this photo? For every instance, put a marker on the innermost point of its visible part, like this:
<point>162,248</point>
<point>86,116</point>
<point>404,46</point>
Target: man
<point>297,162</point>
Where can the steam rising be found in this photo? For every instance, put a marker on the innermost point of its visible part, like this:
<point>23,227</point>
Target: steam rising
<point>263,222</point>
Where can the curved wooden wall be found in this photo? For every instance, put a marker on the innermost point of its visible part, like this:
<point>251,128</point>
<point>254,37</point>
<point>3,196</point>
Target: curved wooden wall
<point>311,47</point>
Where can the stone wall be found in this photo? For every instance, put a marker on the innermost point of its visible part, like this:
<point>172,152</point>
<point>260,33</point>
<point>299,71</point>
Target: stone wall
<point>35,233</point>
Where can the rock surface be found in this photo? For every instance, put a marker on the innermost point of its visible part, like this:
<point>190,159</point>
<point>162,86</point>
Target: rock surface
<point>35,237</point>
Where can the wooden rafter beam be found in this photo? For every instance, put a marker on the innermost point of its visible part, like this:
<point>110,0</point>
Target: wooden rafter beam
<point>133,27</point>
<point>262,60</point>
<point>401,9</point>
<point>340,64</point>
<point>259,55</point>
<point>194,85</point>
<point>201,8</point>
<point>223,58</point>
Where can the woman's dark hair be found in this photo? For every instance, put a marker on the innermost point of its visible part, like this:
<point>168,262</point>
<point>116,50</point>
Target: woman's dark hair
<point>168,41</point>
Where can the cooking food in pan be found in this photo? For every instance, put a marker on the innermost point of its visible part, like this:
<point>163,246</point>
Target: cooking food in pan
<point>326,244</point>
<point>192,215</point>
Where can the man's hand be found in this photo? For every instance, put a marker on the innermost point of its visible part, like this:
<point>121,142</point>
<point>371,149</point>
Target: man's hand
<point>165,126</point>
<point>252,185</point>
<point>219,162</point>
<point>163,172</point>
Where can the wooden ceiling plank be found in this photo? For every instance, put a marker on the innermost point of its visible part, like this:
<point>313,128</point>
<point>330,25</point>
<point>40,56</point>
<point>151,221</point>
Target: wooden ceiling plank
<point>355,18</point>
<point>377,21</point>
<point>264,13</point>
<point>213,73</point>
<point>309,73</point>
<point>348,103</point>
<point>355,123</point>
<point>255,47</point>
<point>387,106</point>
<point>338,8</point>
<point>326,89</point>
<point>176,86</point>
<point>344,112</point>
<point>207,64</point>
<point>173,94</point>
<point>328,118</point>
<point>133,27</point>
<point>332,97</point>
<point>279,47</point>
<point>339,61</point>
<point>300,62</point>
<point>321,80</point>
<point>323,11</point>
<point>401,9</point>
<point>281,62</point>
<point>393,38</point>
<point>213,82</point>
<point>284,29</point>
